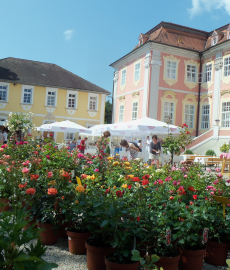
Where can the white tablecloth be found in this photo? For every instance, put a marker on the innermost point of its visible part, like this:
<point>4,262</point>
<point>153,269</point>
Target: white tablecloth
<point>201,160</point>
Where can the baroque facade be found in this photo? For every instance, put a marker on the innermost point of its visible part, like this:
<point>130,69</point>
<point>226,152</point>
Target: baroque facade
<point>51,93</point>
<point>177,73</point>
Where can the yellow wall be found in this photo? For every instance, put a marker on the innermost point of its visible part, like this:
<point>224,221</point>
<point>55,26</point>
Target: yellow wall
<point>80,116</point>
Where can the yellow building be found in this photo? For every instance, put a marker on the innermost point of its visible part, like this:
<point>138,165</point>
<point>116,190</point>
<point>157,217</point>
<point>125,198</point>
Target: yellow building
<point>52,93</point>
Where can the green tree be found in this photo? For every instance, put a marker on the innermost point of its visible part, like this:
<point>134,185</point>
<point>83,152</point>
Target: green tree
<point>108,112</point>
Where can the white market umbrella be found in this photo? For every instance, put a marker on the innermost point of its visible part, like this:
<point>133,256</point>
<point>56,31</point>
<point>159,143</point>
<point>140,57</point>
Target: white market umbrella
<point>99,129</point>
<point>63,126</point>
<point>143,126</point>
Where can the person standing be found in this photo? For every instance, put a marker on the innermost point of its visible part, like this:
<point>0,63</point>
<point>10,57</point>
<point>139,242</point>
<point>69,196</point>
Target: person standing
<point>5,137</point>
<point>72,146</point>
<point>131,148</point>
<point>103,142</point>
<point>140,145</point>
<point>155,150</point>
<point>147,144</point>
<point>83,145</point>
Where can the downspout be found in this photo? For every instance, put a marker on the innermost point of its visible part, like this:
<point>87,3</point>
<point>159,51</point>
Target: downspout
<point>149,84</point>
<point>112,98</point>
<point>198,106</point>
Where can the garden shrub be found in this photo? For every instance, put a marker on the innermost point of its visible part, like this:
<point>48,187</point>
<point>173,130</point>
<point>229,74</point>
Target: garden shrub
<point>210,153</point>
<point>188,151</point>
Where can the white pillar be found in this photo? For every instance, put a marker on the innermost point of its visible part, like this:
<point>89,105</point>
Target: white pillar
<point>102,109</point>
<point>154,87</point>
<point>146,84</point>
<point>115,79</point>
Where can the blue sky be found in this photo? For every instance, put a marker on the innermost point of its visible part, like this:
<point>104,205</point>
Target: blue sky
<point>86,36</point>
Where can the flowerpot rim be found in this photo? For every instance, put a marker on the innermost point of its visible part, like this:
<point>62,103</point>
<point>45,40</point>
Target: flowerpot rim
<point>74,234</point>
<point>127,266</point>
<point>214,243</point>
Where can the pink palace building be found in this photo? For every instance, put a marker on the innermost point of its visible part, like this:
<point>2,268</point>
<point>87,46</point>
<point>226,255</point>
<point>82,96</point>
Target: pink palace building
<point>181,74</point>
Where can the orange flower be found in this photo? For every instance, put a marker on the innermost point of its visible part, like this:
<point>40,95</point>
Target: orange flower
<point>30,191</point>
<point>22,186</point>
<point>34,177</point>
<point>52,191</point>
<point>63,197</point>
<point>80,188</point>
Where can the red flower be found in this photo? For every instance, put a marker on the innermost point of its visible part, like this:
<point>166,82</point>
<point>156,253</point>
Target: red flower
<point>146,177</point>
<point>52,191</point>
<point>34,177</point>
<point>145,182</point>
<point>129,186</point>
<point>187,206</point>
<point>22,186</point>
<point>83,176</point>
<point>136,179</point>
<point>188,132</point>
<point>149,205</point>
<point>36,152</point>
<point>191,188</point>
<point>194,197</point>
<point>191,203</point>
<point>119,193</point>
<point>184,125</point>
<point>30,191</point>
<point>138,218</point>
<point>171,198</point>
<point>107,191</point>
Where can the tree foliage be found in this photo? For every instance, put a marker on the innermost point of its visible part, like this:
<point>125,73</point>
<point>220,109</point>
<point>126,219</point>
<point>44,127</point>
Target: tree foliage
<point>108,112</point>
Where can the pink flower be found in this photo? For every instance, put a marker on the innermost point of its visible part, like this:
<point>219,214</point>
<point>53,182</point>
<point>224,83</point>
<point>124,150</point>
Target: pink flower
<point>209,187</point>
<point>25,142</point>
<point>217,169</point>
<point>29,134</point>
<point>216,182</point>
<point>171,191</point>
<point>48,156</point>
<point>96,170</point>
<point>219,175</point>
<point>185,176</point>
<point>198,174</point>
<point>173,168</point>
<point>8,170</point>
<point>228,180</point>
<point>212,193</point>
<point>208,170</point>
<point>160,182</point>
<point>50,174</point>
<point>174,182</point>
<point>90,162</point>
<point>155,182</point>
<point>25,170</point>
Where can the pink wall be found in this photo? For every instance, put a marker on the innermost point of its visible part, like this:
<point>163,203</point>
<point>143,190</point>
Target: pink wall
<point>224,86</point>
<point>130,76</point>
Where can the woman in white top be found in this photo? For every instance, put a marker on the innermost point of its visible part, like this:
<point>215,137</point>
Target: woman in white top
<point>78,141</point>
<point>130,147</point>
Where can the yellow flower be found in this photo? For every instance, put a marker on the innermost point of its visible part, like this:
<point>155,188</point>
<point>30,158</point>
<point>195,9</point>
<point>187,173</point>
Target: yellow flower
<point>146,164</point>
<point>93,177</point>
<point>77,202</point>
<point>109,158</point>
<point>114,187</point>
<point>80,188</point>
<point>115,163</point>
<point>126,163</point>
<point>38,145</point>
<point>130,176</point>
<point>137,170</point>
<point>124,186</point>
<point>88,177</point>
<point>117,154</point>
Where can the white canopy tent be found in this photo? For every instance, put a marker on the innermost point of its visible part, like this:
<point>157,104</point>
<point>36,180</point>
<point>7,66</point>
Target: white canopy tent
<point>64,126</point>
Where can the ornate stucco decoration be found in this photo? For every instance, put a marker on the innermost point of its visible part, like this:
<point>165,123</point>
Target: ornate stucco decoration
<point>218,63</point>
<point>122,98</point>
<point>71,112</point>
<point>174,59</point>
<point>134,94</point>
<point>116,76</point>
<point>147,60</point>
<point>92,114</point>
<point>191,62</point>
<point>50,109</point>
<point>49,117</point>
<point>156,63</point>
<point>3,105</point>
<point>225,92</point>
<point>26,107</point>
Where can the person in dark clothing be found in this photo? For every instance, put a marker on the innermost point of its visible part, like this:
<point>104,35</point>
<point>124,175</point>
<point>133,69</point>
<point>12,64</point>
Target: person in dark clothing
<point>155,150</point>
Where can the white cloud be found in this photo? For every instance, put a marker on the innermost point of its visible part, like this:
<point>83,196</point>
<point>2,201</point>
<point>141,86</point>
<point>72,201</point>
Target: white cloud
<point>68,34</point>
<point>199,6</point>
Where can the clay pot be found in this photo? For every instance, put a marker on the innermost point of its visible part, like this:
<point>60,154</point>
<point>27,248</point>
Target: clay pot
<point>31,222</point>
<point>48,236</point>
<point>62,230</point>
<point>191,259</point>
<point>76,242</point>
<point>96,257</point>
<point>216,253</point>
<point>6,204</point>
<point>168,263</point>
<point>116,266</point>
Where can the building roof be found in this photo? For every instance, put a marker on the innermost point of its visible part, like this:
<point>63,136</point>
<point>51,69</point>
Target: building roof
<point>44,74</point>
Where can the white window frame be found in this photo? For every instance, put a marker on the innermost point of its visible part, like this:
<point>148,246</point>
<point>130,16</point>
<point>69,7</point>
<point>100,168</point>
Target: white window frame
<point>205,122</point>
<point>23,91</point>
<point>119,113</point>
<point>69,92</point>
<point>191,73</point>
<point>137,78</point>
<point>227,67</point>
<point>136,111</point>
<point>69,133</point>
<point>188,122</point>
<point>7,91</point>
<point>169,76</point>
<point>217,39</point>
<point>123,80</point>
<point>167,113</point>
<point>49,89</point>
<point>225,120</point>
<point>93,95</point>
<point>206,72</point>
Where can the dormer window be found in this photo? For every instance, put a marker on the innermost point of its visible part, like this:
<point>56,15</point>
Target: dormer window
<point>214,41</point>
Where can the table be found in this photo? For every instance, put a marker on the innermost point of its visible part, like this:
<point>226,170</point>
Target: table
<point>201,160</point>
<point>226,155</point>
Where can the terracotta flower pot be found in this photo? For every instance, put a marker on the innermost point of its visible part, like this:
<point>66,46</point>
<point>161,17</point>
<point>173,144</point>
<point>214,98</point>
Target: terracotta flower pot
<point>116,266</point>
<point>76,242</point>
<point>168,263</point>
<point>191,259</point>
<point>6,203</point>
<point>96,257</point>
<point>48,236</point>
<point>62,230</point>
<point>216,253</point>
<point>31,222</point>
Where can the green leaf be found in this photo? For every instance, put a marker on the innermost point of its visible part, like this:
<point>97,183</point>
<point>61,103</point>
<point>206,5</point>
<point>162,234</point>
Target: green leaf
<point>189,225</point>
<point>136,255</point>
<point>104,223</point>
<point>47,266</point>
<point>97,204</point>
<point>18,266</point>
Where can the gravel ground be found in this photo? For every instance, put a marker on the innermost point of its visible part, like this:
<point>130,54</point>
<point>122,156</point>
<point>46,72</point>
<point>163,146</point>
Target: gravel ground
<point>59,254</point>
